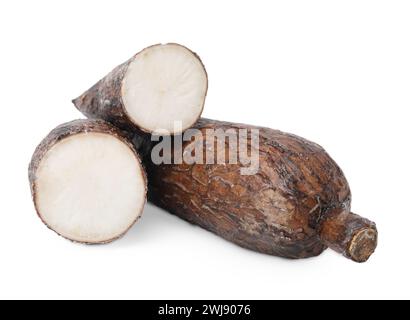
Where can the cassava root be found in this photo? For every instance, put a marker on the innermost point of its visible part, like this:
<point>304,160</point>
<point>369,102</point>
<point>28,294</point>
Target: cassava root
<point>295,206</point>
<point>87,182</point>
<point>158,86</point>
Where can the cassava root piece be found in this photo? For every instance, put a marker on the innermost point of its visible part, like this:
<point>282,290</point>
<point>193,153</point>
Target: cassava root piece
<point>295,206</point>
<point>160,85</point>
<point>87,182</point>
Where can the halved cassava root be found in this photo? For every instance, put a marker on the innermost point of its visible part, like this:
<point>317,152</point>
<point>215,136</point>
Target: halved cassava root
<point>87,182</point>
<point>159,86</point>
<point>295,206</point>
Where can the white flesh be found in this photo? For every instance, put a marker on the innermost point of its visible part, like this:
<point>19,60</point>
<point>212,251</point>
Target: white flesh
<point>164,84</point>
<point>90,188</point>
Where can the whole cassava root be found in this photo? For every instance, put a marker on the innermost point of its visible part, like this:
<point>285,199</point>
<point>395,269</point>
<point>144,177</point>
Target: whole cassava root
<point>87,182</point>
<point>157,87</point>
<point>295,206</point>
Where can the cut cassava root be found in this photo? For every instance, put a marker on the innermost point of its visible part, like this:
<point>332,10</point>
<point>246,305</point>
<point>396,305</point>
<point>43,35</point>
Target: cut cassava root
<point>159,86</point>
<point>87,182</point>
<point>295,206</point>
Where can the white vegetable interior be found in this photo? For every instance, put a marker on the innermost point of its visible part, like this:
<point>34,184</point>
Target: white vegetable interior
<point>164,84</point>
<point>90,187</point>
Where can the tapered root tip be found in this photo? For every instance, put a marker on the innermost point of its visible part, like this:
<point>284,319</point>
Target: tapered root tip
<point>76,101</point>
<point>363,245</point>
<point>349,234</point>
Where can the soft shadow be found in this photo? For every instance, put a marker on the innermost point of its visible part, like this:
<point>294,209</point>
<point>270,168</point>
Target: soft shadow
<point>152,225</point>
<point>157,224</point>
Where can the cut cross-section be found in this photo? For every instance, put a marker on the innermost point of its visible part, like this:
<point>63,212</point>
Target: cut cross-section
<point>87,181</point>
<point>163,84</point>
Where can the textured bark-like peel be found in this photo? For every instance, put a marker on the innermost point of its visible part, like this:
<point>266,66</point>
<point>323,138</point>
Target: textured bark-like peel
<point>158,86</point>
<point>295,206</point>
<point>85,130</point>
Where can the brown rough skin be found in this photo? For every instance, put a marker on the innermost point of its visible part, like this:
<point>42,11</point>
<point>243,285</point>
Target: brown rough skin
<point>67,130</point>
<point>104,99</point>
<point>296,206</point>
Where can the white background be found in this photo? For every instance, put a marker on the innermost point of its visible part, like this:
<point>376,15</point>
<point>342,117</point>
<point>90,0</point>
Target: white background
<point>335,72</point>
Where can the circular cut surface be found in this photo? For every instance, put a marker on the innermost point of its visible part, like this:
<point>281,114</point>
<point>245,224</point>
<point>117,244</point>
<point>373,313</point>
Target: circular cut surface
<point>363,245</point>
<point>164,84</point>
<point>90,188</point>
